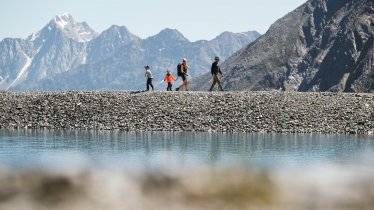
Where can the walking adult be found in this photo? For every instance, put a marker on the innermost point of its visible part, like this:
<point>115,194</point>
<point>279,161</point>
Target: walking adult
<point>149,76</point>
<point>182,72</point>
<point>215,70</point>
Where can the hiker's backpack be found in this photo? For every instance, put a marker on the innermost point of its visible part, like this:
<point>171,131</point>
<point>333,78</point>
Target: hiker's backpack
<point>179,70</point>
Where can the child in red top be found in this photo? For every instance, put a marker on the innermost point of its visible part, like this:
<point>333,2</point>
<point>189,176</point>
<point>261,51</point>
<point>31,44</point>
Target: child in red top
<point>169,79</point>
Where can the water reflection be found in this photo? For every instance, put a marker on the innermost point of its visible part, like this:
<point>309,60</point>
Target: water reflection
<point>31,148</point>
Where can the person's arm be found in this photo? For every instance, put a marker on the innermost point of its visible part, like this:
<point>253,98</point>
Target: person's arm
<point>219,70</point>
<point>212,69</point>
<point>185,70</point>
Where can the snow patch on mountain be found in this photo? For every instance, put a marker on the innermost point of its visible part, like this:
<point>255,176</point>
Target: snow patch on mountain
<point>22,74</point>
<point>84,60</point>
<point>33,36</point>
<point>3,80</point>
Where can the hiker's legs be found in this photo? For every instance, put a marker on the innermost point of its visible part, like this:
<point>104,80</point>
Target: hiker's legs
<point>219,84</point>
<point>178,88</point>
<point>181,86</point>
<point>149,83</point>
<point>211,87</point>
<point>185,83</point>
<point>169,86</point>
<point>214,82</point>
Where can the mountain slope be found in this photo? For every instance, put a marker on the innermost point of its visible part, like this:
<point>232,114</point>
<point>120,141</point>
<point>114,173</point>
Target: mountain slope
<point>108,42</point>
<point>58,47</point>
<point>14,54</point>
<point>324,45</point>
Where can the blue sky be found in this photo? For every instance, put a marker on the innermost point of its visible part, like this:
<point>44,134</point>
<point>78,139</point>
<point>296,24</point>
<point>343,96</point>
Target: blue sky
<point>196,19</point>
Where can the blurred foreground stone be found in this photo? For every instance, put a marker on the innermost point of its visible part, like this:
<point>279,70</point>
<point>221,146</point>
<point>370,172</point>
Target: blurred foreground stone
<point>329,188</point>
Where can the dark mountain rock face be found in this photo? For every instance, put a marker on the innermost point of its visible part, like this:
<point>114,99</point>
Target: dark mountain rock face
<point>324,45</point>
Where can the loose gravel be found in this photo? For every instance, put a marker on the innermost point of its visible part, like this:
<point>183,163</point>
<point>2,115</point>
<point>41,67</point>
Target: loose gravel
<point>278,112</point>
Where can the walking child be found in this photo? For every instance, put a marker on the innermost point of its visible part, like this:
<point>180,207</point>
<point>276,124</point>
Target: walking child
<point>149,76</point>
<point>169,79</point>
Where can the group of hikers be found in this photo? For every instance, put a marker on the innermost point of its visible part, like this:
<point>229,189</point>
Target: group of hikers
<point>182,69</point>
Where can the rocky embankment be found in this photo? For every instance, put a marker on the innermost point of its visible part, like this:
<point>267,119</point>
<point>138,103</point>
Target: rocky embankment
<point>283,112</point>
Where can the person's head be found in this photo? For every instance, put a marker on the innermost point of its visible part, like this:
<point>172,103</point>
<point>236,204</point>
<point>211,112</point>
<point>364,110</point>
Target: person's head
<point>146,67</point>
<point>216,58</point>
<point>184,61</point>
<point>168,72</point>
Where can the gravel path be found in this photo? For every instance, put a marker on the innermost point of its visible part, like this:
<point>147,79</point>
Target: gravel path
<point>282,112</point>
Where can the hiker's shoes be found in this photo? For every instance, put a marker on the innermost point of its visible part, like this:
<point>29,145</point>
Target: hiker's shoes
<point>176,89</point>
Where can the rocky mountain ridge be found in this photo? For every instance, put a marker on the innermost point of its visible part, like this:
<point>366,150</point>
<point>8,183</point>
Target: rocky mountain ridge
<point>324,45</point>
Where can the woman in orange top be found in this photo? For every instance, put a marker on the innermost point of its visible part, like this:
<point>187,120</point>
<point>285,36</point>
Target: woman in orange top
<point>169,79</point>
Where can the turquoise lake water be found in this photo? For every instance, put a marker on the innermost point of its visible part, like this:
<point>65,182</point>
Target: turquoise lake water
<point>30,149</point>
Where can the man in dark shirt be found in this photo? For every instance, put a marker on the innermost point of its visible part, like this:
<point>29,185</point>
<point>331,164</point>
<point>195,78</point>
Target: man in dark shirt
<point>215,70</point>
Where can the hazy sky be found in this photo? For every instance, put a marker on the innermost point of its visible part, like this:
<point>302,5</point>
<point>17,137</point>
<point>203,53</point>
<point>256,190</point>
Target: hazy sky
<point>196,19</point>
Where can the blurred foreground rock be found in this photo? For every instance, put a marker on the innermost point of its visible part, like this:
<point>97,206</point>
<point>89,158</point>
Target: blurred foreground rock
<point>333,188</point>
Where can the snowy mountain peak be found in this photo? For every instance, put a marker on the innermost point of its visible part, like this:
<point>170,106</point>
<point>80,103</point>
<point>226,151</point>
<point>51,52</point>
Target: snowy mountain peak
<point>80,32</point>
<point>65,15</point>
<point>66,25</point>
<point>63,20</point>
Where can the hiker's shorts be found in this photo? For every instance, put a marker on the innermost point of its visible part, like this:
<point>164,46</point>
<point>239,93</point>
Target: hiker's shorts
<point>184,78</point>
